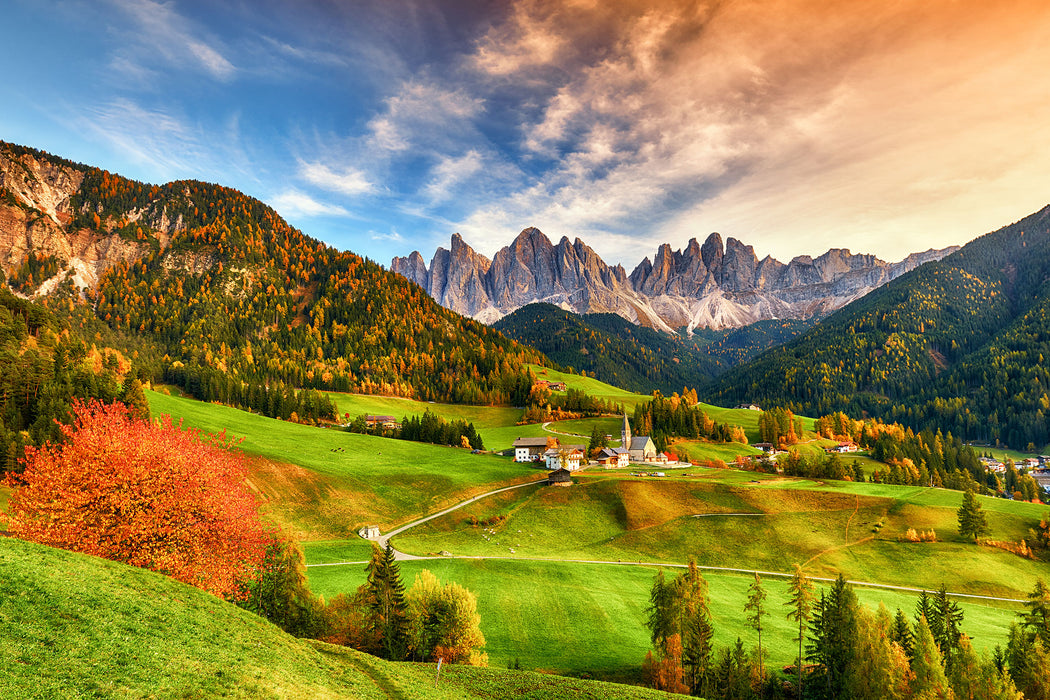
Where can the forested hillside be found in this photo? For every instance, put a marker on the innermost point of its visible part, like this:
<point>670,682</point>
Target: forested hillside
<point>240,300</point>
<point>958,345</point>
<point>637,358</point>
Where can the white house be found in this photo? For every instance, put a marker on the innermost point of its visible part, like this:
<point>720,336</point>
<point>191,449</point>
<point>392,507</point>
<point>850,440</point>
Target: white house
<point>571,454</point>
<point>531,449</point>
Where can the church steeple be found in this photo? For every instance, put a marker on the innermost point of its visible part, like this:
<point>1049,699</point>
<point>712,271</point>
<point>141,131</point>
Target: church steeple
<point>625,433</point>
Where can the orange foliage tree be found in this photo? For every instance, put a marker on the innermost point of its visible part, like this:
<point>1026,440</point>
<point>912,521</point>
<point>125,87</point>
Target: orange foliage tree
<point>153,496</point>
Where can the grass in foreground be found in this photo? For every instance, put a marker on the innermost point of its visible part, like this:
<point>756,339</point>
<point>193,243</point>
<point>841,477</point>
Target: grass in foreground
<point>75,626</point>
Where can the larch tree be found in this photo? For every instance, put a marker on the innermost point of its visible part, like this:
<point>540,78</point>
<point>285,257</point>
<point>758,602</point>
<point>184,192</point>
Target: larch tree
<point>800,592</point>
<point>755,609</point>
<point>150,495</point>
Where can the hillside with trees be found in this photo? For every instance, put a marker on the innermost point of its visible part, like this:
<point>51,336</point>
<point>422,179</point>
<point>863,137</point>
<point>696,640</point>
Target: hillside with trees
<point>245,308</point>
<point>638,358</point>
<point>958,345</point>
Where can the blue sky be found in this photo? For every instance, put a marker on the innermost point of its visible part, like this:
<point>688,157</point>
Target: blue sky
<point>385,126</point>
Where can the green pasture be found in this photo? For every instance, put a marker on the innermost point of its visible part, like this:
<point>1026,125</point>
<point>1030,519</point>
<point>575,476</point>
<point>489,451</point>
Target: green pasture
<point>590,618</point>
<point>721,519</point>
<point>591,387</point>
<point>74,626</point>
<point>701,450</point>
<point>340,481</point>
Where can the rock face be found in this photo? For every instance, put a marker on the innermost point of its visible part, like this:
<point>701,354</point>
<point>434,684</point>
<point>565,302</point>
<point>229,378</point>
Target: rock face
<point>36,196</point>
<point>716,285</point>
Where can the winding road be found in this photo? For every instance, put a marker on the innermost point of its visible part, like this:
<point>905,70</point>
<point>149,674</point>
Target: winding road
<point>383,540</point>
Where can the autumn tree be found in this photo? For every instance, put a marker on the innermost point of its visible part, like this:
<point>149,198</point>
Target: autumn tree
<point>153,496</point>
<point>444,622</point>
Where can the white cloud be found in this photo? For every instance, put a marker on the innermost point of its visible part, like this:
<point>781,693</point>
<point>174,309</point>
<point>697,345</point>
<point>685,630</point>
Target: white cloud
<point>393,236</point>
<point>349,181</point>
<point>450,172</point>
<point>161,32</point>
<point>293,204</point>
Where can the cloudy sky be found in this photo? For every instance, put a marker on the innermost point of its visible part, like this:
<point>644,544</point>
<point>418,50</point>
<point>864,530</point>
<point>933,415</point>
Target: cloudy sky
<point>383,126</point>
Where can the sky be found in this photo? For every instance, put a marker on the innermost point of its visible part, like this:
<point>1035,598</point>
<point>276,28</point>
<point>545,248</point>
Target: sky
<point>385,126</point>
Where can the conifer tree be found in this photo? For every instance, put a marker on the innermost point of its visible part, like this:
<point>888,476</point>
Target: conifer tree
<point>901,633</point>
<point>972,520</point>
<point>1037,619</point>
<point>929,680</point>
<point>388,610</point>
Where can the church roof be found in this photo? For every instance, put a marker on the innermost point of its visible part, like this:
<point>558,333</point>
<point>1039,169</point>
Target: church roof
<point>639,442</point>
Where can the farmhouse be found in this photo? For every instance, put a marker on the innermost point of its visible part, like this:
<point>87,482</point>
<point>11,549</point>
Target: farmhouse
<point>843,448</point>
<point>369,532</point>
<point>614,457</point>
<point>386,422</point>
<point>532,449</point>
<point>564,457</point>
<point>750,407</point>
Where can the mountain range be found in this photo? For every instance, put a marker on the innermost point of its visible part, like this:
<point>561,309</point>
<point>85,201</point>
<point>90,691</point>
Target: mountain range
<point>714,285</point>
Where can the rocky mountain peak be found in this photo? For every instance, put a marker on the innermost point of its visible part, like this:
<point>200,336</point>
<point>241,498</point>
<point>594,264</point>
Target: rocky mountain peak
<point>712,284</point>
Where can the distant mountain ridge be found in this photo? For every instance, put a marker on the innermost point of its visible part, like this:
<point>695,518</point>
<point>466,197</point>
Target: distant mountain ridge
<point>715,285</point>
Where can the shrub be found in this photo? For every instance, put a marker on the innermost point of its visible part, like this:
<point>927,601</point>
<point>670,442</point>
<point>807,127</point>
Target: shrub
<point>153,496</point>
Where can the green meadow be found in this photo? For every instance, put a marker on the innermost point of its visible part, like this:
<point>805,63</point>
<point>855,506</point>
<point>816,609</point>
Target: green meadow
<point>721,520</point>
<point>326,483</point>
<point>589,618</point>
<point>582,618</point>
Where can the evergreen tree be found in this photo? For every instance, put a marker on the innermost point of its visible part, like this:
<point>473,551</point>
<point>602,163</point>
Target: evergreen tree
<point>901,633</point>
<point>1037,619</point>
<point>972,520</point>
<point>388,611</point>
<point>800,591</point>
<point>834,640</point>
<point>948,630</point>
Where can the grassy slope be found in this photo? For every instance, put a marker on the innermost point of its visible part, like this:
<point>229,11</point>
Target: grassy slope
<point>76,626</point>
<point>652,520</point>
<point>341,481</point>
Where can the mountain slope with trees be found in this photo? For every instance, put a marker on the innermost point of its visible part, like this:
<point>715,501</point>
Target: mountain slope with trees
<point>243,306</point>
<point>638,358</point>
<point>957,345</point>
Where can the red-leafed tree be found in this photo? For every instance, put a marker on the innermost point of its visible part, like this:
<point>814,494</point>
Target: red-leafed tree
<point>150,495</point>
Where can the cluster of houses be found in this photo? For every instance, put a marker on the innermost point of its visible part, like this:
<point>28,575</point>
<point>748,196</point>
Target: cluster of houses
<point>638,449</point>
<point>842,448</point>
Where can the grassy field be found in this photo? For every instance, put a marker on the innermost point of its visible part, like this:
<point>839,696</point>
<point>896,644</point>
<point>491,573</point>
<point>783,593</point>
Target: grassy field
<point>73,626</point>
<point>326,483</point>
<point>769,524</point>
<point>601,611</point>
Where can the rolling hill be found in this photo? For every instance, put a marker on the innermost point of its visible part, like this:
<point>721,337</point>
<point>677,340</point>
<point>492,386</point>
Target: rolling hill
<point>237,300</point>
